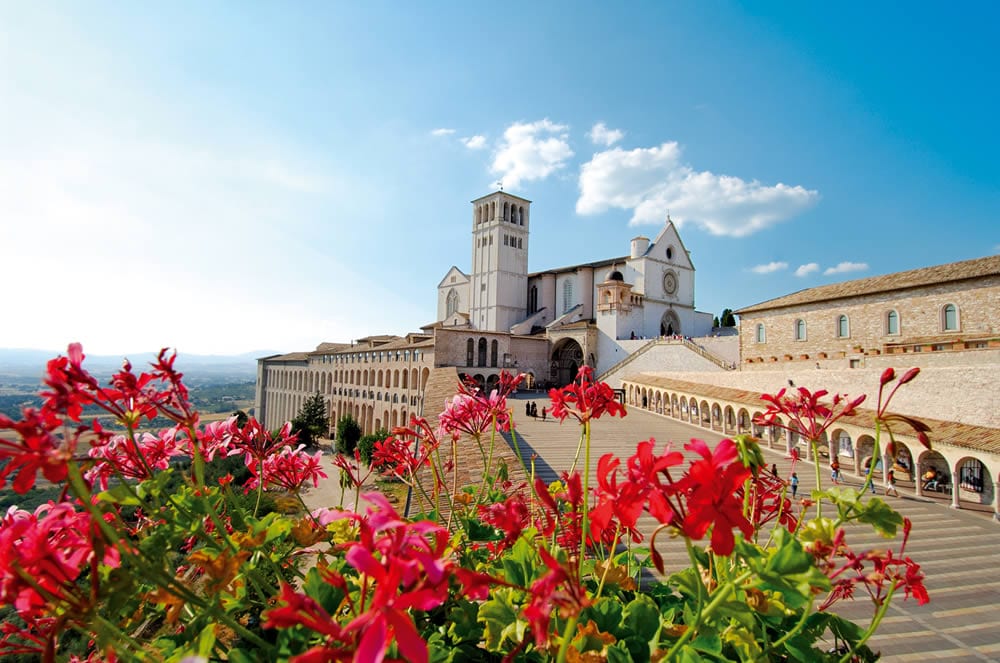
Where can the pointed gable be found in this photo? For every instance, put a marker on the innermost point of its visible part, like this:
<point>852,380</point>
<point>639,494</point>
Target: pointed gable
<point>669,238</point>
<point>460,277</point>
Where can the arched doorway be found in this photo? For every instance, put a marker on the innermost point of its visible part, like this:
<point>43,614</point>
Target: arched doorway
<point>567,355</point>
<point>670,324</point>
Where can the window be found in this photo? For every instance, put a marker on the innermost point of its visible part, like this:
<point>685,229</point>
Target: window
<point>846,448</point>
<point>533,299</point>
<point>761,337</point>
<point>482,352</point>
<point>567,295</point>
<point>470,351</point>
<point>452,303</point>
<point>949,318</point>
<point>892,323</point>
<point>493,354</point>
<point>519,245</point>
<point>800,330</point>
<point>843,327</point>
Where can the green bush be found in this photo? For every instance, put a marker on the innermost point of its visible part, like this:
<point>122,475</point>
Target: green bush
<point>366,445</point>
<point>348,434</point>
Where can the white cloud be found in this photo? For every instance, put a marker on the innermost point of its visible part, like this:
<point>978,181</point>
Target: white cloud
<point>769,268</point>
<point>651,181</point>
<point>442,132</point>
<point>846,267</point>
<point>806,269</point>
<point>474,142</point>
<point>531,151</point>
<point>601,135</point>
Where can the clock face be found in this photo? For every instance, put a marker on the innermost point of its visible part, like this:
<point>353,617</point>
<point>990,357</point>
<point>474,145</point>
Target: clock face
<point>670,283</point>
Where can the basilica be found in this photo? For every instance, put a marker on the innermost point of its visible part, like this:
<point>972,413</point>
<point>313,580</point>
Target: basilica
<point>499,316</point>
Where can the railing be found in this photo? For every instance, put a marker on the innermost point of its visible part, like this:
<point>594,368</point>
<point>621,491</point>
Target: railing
<point>694,347</point>
<point>711,356</point>
<point>627,360</point>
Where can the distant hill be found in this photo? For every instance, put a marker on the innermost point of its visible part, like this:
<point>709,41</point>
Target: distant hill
<point>31,363</point>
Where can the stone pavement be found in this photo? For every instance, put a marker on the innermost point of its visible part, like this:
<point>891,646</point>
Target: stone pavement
<point>958,551</point>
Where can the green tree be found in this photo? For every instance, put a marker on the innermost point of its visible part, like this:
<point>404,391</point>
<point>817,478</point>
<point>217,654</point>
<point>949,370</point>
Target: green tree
<point>715,322</point>
<point>727,319</point>
<point>311,423</point>
<point>348,434</point>
<point>366,445</point>
<point>241,418</point>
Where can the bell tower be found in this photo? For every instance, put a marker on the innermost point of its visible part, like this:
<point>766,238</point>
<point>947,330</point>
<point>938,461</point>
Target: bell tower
<point>499,281</point>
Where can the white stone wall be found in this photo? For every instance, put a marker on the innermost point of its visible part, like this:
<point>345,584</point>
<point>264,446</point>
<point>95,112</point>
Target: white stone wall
<point>665,358</point>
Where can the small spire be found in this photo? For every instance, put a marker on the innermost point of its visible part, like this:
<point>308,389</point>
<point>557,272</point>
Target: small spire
<point>499,184</point>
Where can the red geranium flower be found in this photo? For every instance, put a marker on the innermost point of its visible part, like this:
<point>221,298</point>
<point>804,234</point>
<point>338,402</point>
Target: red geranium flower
<point>712,486</point>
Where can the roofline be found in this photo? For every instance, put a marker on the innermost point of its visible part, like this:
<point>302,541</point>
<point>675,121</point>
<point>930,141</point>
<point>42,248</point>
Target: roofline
<point>571,268</point>
<point>506,193</point>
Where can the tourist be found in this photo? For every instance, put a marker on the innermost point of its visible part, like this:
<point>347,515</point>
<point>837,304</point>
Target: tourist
<point>774,469</point>
<point>544,411</point>
<point>527,408</point>
<point>835,471</point>
<point>794,482</point>
<point>890,483</point>
<point>931,479</point>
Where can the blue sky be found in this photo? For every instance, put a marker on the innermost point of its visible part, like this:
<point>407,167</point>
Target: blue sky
<point>229,177</point>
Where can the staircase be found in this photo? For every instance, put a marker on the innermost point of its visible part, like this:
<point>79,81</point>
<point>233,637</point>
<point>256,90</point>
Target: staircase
<point>614,374</point>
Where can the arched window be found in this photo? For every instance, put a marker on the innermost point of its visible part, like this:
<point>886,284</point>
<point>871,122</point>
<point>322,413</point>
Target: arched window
<point>494,346</point>
<point>452,303</point>
<point>506,209</point>
<point>949,318</point>
<point>892,323</point>
<point>520,216</point>
<point>482,352</point>
<point>470,351</point>
<point>533,299</point>
<point>843,327</point>
<point>567,295</point>
<point>761,336</point>
<point>800,330</point>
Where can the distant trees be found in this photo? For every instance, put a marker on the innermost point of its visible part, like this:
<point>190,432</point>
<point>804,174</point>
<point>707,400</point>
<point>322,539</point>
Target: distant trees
<point>311,423</point>
<point>366,445</point>
<point>727,319</point>
<point>348,434</point>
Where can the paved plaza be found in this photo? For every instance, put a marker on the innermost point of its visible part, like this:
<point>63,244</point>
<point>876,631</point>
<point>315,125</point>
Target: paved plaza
<point>959,551</point>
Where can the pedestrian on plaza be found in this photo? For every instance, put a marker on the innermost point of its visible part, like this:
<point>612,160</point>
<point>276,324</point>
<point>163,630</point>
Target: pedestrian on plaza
<point>544,410</point>
<point>774,469</point>
<point>794,482</point>
<point>534,410</point>
<point>835,471</point>
<point>890,483</point>
<point>527,408</point>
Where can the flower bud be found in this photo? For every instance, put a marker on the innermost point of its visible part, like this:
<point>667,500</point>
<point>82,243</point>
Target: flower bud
<point>888,375</point>
<point>909,375</point>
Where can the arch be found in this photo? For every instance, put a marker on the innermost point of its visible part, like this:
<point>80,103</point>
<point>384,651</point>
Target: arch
<point>800,330</point>
<point>480,380</point>
<point>380,378</point>
<point>470,352</point>
<point>533,299</point>
<point>843,326</point>
<point>423,378</point>
<point>863,456</point>
<point>716,416</point>
<point>928,460</point>
<point>670,324</point>
<point>491,382</point>
<point>364,379</point>
<point>482,353</point>
<point>565,361</point>
<point>520,216</point>
<point>494,346</point>
<point>974,481</point>
<point>761,333</point>
<point>405,381</point>
<point>506,211</point>
<point>451,306</point>
<point>892,323</point>
<point>658,403</point>
<point>949,318</point>
<point>705,411</point>
<point>395,379</point>
<point>729,420</point>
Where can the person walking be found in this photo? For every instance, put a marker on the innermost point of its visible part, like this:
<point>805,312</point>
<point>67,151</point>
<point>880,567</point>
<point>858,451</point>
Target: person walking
<point>835,471</point>
<point>544,410</point>
<point>774,469</point>
<point>890,483</point>
<point>794,482</point>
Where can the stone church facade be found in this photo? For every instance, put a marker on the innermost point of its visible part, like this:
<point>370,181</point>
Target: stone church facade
<point>498,317</point>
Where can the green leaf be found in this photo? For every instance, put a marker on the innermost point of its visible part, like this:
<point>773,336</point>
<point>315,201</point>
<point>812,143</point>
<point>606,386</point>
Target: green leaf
<point>882,517</point>
<point>642,617</point>
<point>607,614</point>
<point>708,641</point>
<point>122,494</point>
<point>500,618</point>
<point>620,653</point>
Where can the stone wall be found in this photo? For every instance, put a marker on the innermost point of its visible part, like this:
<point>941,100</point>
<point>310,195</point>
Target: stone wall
<point>662,358</point>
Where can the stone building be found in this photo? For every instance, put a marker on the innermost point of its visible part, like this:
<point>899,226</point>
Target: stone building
<point>927,314</point>
<point>498,317</point>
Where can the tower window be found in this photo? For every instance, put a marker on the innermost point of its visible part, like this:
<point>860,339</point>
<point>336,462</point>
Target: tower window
<point>519,243</point>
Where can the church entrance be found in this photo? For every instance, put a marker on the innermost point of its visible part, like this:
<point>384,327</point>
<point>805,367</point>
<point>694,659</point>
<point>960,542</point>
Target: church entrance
<point>670,324</point>
<point>567,356</point>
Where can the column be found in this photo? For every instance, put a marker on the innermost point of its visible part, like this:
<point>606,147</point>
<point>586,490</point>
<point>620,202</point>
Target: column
<point>996,500</point>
